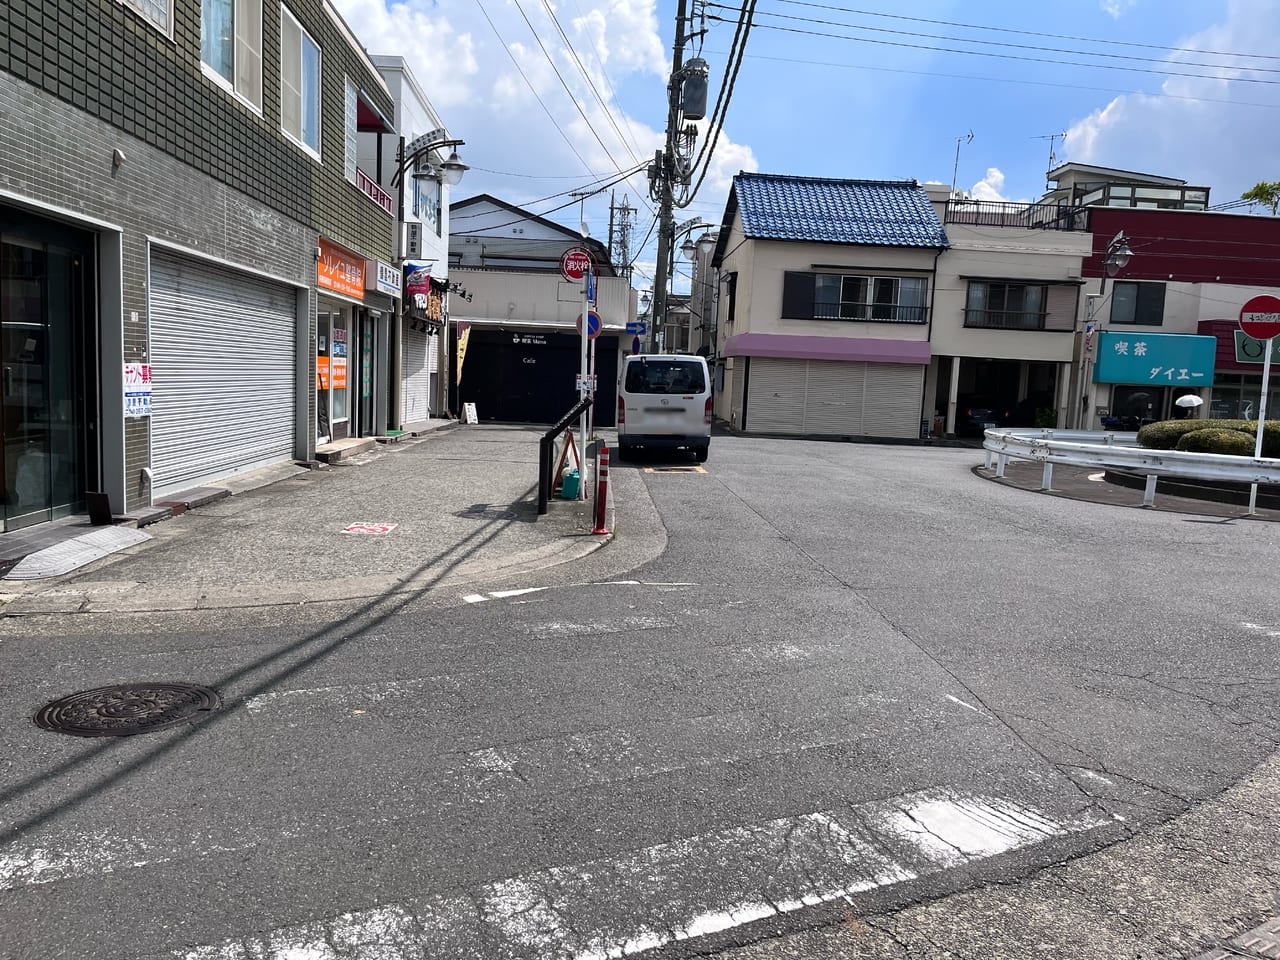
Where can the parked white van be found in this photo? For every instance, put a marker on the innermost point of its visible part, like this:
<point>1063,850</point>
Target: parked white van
<point>664,401</point>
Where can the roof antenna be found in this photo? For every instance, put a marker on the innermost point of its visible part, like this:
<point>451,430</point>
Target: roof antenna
<point>956,169</point>
<point>1053,157</point>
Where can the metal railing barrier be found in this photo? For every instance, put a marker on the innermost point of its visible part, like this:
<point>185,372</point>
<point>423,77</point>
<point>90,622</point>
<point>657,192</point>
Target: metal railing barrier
<point>1119,451</point>
<point>546,451</point>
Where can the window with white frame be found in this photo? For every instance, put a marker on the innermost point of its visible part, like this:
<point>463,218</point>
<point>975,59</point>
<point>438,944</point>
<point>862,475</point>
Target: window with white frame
<point>157,12</point>
<point>834,296</point>
<point>353,140</point>
<point>231,45</point>
<point>299,84</point>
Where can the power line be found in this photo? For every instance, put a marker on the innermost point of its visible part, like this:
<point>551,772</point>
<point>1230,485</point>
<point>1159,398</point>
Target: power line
<point>600,184</point>
<point>574,100</point>
<point>1019,81</point>
<point>1029,33</point>
<point>591,83</point>
<point>586,166</point>
<point>737,49</point>
<point>1014,46</point>
<point>984,53</point>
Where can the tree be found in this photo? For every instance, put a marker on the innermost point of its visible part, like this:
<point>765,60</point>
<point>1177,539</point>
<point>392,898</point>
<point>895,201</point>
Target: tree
<point>1266,193</point>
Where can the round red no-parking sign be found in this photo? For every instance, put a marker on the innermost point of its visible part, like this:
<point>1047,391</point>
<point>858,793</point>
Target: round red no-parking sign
<point>1260,317</point>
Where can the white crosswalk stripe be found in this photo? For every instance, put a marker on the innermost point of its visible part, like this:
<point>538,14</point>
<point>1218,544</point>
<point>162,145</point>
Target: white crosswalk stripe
<point>672,891</point>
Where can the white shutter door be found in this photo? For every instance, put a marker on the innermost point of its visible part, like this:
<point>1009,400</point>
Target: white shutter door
<point>775,395</point>
<point>222,368</point>
<point>891,405</point>
<point>415,397</point>
<point>834,403</point>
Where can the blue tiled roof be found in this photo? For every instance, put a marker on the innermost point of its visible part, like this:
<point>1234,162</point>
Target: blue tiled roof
<point>893,213</point>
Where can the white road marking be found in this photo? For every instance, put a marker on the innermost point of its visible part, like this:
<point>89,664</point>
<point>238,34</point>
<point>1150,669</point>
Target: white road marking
<point>963,704</point>
<point>358,693</point>
<point>678,890</point>
<point>475,598</point>
<point>490,760</point>
<point>503,594</point>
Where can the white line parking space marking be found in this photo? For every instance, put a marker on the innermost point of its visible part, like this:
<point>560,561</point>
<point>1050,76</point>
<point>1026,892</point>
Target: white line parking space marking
<point>672,891</point>
<point>967,706</point>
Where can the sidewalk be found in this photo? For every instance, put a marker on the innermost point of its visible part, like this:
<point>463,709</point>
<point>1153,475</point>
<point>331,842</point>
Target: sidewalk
<point>450,506</point>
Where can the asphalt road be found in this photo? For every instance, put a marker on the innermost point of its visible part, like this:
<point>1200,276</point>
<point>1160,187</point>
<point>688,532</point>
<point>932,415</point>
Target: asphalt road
<point>854,671</point>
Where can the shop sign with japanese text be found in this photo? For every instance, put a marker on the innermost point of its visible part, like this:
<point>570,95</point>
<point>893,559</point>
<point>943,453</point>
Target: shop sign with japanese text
<point>137,389</point>
<point>340,270</point>
<point>382,277</point>
<point>1157,358</point>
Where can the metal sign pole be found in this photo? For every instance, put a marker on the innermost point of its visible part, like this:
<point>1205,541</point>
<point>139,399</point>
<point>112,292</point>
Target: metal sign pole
<point>1262,420</point>
<point>581,439</point>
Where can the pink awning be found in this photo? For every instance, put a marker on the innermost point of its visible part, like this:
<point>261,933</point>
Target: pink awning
<point>793,347</point>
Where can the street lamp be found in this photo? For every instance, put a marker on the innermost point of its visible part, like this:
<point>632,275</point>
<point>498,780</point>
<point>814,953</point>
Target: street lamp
<point>449,172</point>
<point>1116,258</point>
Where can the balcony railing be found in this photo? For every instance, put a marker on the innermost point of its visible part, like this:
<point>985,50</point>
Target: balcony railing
<point>870,313</point>
<point>1005,319</point>
<point>1033,216</point>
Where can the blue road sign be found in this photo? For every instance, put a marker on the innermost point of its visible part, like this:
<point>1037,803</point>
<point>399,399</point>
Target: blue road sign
<point>593,324</point>
<point>637,327</point>
<point>591,286</point>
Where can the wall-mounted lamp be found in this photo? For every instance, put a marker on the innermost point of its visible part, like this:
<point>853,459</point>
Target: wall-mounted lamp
<point>117,158</point>
<point>319,254</point>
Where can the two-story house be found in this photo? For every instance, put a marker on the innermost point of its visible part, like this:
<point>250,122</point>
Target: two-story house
<point>825,305</point>
<point>514,318</point>
<point>178,220</point>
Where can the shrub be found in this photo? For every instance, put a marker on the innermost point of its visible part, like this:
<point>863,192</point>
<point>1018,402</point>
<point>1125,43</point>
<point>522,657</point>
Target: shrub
<point>1234,442</point>
<point>1166,434</point>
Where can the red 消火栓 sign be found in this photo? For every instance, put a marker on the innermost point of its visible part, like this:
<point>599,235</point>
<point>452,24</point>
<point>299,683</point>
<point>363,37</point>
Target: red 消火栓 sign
<point>575,263</point>
<point>1260,317</point>
<point>340,270</point>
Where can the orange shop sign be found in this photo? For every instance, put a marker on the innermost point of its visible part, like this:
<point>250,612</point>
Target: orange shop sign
<point>340,270</point>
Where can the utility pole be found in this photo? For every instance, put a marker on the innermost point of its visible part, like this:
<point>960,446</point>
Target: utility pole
<point>665,176</point>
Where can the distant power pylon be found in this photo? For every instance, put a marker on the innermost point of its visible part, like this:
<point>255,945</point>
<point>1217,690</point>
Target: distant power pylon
<point>620,234</point>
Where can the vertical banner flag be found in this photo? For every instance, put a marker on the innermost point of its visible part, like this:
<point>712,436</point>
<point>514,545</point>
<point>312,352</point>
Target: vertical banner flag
<point>417,285</point>
<point>464,333</point>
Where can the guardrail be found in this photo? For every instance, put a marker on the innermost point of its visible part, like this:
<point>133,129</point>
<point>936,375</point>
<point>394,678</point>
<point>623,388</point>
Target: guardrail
<point>1119,451</point>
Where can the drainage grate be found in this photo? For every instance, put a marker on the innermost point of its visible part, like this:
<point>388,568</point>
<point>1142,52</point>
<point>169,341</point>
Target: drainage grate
<point>126,709</point>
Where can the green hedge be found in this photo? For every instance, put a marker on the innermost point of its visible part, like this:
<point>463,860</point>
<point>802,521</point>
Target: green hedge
<point>1167,434</point>
<point>1234,442</point>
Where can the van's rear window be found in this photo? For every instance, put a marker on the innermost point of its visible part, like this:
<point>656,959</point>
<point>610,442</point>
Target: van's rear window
<point>664,376</point>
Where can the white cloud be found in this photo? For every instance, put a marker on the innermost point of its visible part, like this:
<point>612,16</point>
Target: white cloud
<point>990,187</point>
<point>1116,8</point>
<point>1190,133</point>
<point>516,151</point>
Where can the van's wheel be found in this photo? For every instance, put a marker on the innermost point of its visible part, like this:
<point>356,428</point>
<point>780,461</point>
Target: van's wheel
<point>700,453</point>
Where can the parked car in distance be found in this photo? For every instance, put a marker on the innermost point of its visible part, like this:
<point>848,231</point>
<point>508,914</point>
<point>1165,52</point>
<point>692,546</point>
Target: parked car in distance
<point>664,402</point>
<point>972,421</point>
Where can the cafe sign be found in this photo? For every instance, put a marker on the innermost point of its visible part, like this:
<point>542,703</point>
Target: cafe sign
<point>339,270</point>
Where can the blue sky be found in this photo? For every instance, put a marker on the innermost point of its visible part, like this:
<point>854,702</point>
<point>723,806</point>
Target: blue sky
<point>889,104</point>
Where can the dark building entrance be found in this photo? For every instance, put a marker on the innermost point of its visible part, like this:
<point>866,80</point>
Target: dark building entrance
<point>48,364</point>
<point>517,376</point>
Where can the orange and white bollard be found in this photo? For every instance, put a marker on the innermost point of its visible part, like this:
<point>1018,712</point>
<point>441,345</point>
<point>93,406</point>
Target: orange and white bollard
<point>602,489</point>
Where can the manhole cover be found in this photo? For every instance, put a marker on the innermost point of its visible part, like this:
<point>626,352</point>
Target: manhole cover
<point>126,709</point>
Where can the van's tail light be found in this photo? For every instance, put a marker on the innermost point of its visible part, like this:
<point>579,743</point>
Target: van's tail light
<point>622,412</point>
<point>706,413</point>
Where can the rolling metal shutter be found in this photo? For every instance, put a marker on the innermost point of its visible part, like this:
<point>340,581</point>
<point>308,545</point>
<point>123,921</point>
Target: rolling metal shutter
<point>891,401</point>
<point>833,404</point>
<point>834,398</point>
<point>418,359</point>
<point>775,396</point>
<point>223,380</point>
